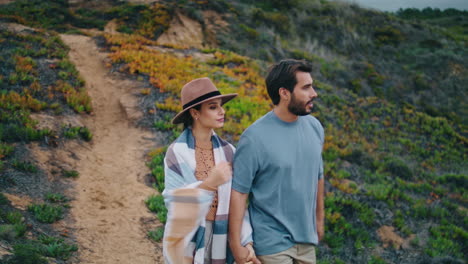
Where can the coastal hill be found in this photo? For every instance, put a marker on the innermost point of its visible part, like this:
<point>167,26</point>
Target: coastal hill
<point>88,88</point>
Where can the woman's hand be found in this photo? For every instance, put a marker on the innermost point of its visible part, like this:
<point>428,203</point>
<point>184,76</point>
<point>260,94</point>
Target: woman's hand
<point>220,174</point>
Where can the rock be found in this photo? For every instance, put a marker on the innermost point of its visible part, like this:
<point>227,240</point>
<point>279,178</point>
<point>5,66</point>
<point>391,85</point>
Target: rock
<point>130,104</point>
<point>20,202</point>
<point>389,237</point>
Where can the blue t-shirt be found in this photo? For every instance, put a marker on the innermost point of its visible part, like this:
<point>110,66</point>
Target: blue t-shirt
<point>279,164</point>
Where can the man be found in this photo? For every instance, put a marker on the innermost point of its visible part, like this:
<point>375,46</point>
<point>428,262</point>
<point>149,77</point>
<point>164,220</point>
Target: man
<point>278,167</point>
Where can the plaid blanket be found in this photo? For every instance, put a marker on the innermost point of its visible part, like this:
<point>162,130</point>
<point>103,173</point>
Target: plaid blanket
<point>184,235</point>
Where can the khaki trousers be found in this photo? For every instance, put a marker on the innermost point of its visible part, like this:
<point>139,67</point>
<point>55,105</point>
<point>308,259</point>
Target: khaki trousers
<point>297,254</point>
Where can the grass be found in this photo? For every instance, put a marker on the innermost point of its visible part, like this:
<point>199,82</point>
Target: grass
<point>70,174</point>
<point>377,154</point>
<point>156,204</point>
<point>56,198</point>
<point>77,132</point>
<point>403,153</point>
<point>56,247</point>
<point>157,234</point>
<point>46,213</point>
<point>24,166</point>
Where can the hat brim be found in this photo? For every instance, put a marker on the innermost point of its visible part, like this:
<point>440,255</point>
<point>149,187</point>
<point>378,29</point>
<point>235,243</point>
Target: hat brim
<point>224,99</point>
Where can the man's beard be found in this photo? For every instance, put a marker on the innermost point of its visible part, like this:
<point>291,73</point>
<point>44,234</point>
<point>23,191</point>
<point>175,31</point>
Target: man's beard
<point>297,108</point>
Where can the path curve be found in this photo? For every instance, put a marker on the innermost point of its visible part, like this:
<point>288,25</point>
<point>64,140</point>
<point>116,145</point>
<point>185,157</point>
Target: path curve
<point>108,210</point>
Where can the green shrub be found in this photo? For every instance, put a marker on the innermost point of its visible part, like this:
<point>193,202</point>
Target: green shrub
<point>156,204</point>
<point>388,35</point>
<point>7,232</point>
<point>46,213</point>
<point>27,254</point>
<point>157,234</point>
<point>376,260</point>
<point>56,198</point>
<point>70,173</point>
<point>74,132</point>
<point>3,199</point>
<point>14,217</point>
<point>24,166</point>
<point>56,247</point>
<point>5,150</point>
<point>397,167</point>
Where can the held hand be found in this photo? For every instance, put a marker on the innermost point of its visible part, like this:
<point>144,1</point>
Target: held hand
<point>220,174</point>
<point>245,255</point>
<point>252,258</point>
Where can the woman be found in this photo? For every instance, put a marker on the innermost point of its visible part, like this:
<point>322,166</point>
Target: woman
<point>198,181</point>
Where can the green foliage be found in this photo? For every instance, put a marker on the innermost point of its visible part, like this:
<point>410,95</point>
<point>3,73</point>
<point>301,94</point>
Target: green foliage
<point>24,166</point>
<point>399,222</point>
<point>7,232</point>
<point>14,217</point>
<point>376,260</point>
<point>51,14</point>
<point>34,252</point>
<point>56,198</point>
<point>443,241</point>
<point>46,213</point>
<point>429,13</point>
<point>398,167</point>
<point>157,234</point>
<point>70,173</point>
<point>157,169</point>
<point>75,132</point>
<point>3,199</point>
<point>27,254</point>
<point>156,204</point>
<point>56,247</point>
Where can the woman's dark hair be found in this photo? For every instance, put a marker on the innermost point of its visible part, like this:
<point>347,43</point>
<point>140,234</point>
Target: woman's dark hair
<point>187,119</point>
<point>283,74</point>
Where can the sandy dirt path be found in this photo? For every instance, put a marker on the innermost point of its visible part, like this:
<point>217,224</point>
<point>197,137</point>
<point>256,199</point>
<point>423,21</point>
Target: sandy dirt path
<point>109,210</point>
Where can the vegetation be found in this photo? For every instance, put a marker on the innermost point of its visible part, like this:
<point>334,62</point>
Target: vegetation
<point>36,77</point>
<point>385,158</point>
<point>391,89</point>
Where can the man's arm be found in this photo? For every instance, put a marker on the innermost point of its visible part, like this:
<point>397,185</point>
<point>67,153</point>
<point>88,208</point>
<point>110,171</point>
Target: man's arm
<point>236,216</point>
<point>320,209</point>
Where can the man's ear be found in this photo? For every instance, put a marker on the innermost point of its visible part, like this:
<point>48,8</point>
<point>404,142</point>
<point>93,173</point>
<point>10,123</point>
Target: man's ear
<point>284,94</point>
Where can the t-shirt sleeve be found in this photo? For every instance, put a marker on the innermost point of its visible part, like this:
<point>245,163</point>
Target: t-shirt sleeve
<point>245,165</point>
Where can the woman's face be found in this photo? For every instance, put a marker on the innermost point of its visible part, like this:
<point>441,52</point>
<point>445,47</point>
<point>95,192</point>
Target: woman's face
<point>210,115</point>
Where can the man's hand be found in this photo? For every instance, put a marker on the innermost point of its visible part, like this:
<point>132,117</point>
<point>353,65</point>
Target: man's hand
<point>252,258</point>
<point>245,255</point>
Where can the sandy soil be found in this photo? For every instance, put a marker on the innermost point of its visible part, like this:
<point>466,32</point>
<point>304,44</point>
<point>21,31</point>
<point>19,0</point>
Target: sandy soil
<point>110,217</point>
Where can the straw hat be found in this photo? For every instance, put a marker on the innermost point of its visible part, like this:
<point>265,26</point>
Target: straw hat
<point>197,92</point>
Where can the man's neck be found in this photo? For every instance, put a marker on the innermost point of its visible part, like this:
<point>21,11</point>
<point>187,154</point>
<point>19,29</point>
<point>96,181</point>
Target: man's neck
<point>282,112</point>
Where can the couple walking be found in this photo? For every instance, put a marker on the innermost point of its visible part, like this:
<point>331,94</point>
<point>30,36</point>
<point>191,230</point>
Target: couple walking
<point>277,168</point>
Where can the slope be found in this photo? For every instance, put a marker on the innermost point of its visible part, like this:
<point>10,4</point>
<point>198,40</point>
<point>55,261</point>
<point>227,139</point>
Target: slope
<point>109,209</point>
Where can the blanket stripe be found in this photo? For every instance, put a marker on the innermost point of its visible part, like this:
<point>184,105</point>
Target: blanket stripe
<point>184,235</point>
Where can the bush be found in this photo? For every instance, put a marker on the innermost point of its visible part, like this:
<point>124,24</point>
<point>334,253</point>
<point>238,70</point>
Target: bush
<point>46,213</point>
<point>56,247</point>
<point>156,204</point>
<point>157,234</point>
<point>7,232</point>
<point>388,35</point>
<point>70,173</point>
<point>397,167</point>
<point>27,254</point>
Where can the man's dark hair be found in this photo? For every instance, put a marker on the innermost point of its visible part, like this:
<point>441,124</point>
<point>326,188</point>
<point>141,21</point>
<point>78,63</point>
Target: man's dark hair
<point>283,74</point>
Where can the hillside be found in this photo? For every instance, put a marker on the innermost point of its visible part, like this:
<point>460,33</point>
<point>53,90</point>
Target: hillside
<point>391,98</point>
